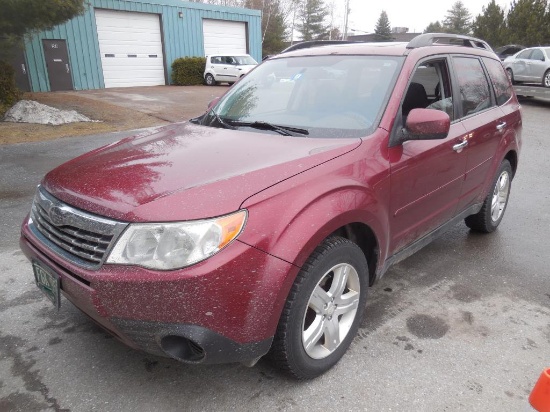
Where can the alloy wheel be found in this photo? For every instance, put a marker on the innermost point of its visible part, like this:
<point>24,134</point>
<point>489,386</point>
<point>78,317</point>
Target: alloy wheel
<point>331,310</point>
<point>500,196</point>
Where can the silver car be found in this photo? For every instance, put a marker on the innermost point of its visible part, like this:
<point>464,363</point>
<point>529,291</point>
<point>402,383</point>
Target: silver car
<point>531,65</point>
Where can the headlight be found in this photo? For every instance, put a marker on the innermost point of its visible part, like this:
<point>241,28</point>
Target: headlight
<point>167,246</point>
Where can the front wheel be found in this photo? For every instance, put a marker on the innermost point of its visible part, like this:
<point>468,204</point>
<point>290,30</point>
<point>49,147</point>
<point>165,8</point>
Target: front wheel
<point>492,211</point>
<point>546,79</point>
<point>323,310</point>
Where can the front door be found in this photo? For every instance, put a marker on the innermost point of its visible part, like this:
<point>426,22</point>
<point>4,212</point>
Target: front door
<point>57,63</point>
<point>537,66</point>
<point>426,175</point>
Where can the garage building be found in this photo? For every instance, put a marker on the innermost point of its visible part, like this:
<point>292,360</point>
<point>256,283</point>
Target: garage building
<point>124,43</point>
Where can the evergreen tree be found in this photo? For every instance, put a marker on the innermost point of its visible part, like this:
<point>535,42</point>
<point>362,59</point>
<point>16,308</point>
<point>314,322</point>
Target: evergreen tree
<point>311,20</point>
<point>383,28</point>
<point>22,17</point>
<point>435,27</point>
<point>490,25</point>
<point>273,24</point>
<point>527,22</point>
<point>458,19</point>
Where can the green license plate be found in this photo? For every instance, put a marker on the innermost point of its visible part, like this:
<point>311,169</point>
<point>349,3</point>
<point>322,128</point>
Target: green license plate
<point>48,282</point>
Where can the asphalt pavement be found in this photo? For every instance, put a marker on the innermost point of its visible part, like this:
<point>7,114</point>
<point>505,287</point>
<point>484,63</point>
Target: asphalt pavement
<point>462,325</point>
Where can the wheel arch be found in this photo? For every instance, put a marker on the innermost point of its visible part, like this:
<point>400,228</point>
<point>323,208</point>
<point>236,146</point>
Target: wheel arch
<point>364,237</point>
<point>512,157</point>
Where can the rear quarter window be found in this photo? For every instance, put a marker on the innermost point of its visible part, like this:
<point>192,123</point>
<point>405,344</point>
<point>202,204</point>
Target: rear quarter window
<point>499,79</point>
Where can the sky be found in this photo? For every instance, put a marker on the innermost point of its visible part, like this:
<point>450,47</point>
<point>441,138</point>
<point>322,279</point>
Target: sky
<point>416,15</point>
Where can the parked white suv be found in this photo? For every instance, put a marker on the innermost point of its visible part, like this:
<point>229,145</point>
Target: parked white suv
<point>227,68</point>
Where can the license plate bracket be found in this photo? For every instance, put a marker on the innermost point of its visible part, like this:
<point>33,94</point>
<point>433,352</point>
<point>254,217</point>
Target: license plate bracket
<point>48,282</point>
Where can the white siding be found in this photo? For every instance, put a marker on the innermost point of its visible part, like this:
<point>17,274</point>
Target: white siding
<point>224,37</point>
<point>131,48</point>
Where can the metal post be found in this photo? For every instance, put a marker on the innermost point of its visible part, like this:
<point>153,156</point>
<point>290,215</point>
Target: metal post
<point>346,15</point>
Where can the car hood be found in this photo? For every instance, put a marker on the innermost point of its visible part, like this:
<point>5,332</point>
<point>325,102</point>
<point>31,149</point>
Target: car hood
<point>184,171</point>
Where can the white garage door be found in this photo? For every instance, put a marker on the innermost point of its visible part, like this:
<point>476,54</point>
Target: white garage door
<point>224,37</point>
<point>131,48</point>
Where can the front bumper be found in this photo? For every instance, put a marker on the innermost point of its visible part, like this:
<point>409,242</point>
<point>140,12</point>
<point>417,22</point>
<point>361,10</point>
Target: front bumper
<point>224,309</point>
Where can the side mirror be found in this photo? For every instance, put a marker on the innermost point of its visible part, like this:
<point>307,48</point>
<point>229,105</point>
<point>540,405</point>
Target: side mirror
<point>426,124</point>
<point>213,102</point>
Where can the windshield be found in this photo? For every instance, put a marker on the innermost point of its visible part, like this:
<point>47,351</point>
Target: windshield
<point>321,96</point>
<point>245,60</point>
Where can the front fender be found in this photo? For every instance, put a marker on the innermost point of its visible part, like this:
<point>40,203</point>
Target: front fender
<point>291,219</point>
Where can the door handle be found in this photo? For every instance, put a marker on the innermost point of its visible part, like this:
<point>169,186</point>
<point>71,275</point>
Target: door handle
<point>459,146</point>
<point>67,67</point>
<point>23,69</point>
<point>501,126</point>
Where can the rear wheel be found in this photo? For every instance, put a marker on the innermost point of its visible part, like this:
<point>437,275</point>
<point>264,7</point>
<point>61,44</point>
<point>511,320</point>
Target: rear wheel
<point>492,211</point>
<point>323,310</point>
<point>209,79</point>
<point>546,79</point>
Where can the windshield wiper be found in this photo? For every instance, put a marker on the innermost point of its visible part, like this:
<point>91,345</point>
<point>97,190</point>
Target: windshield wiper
<point>221,121</point>
<point>284,130</point>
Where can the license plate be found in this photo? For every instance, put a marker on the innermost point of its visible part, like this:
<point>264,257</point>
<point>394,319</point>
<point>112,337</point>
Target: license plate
<point>48,282</point>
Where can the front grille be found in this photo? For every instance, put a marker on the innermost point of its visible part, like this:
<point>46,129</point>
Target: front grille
<point>81,237</point>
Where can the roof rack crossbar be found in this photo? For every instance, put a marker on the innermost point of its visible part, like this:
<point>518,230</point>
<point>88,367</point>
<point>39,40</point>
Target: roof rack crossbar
<point>447,39</point>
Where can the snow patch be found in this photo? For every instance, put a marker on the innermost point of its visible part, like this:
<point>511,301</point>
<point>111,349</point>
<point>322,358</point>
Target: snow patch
<point>28,111</point>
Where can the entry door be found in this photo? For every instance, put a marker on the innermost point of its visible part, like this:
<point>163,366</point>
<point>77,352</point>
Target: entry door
<point>57,63</point>
<point>21,74</point>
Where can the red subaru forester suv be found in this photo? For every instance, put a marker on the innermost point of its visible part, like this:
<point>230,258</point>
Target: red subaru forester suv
<point>259,226</point>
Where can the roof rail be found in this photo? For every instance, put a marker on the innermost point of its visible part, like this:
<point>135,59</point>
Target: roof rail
<point>447,39</point>
<point>315,43</point>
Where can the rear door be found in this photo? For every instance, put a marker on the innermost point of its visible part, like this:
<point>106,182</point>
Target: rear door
<point>483,122</point>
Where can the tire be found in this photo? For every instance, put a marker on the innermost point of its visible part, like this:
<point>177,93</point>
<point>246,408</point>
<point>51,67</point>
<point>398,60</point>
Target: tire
<point>209,80</point>
<point>315,329</point>
<point>511,76</point>
<point>494,206</point>
<point>546,79</point>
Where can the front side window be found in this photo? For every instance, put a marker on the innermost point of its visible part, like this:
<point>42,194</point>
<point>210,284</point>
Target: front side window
<point>524,54</point>
<point>501,83</point>
<point>317,96</point>
<point>245,60</point>
<point>474,89</point>
<point>430,88</point>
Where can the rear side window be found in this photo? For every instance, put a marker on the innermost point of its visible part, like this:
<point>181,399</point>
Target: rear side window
<point>501,84</point>
<point>474,89</point>
<point>216,60</point>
